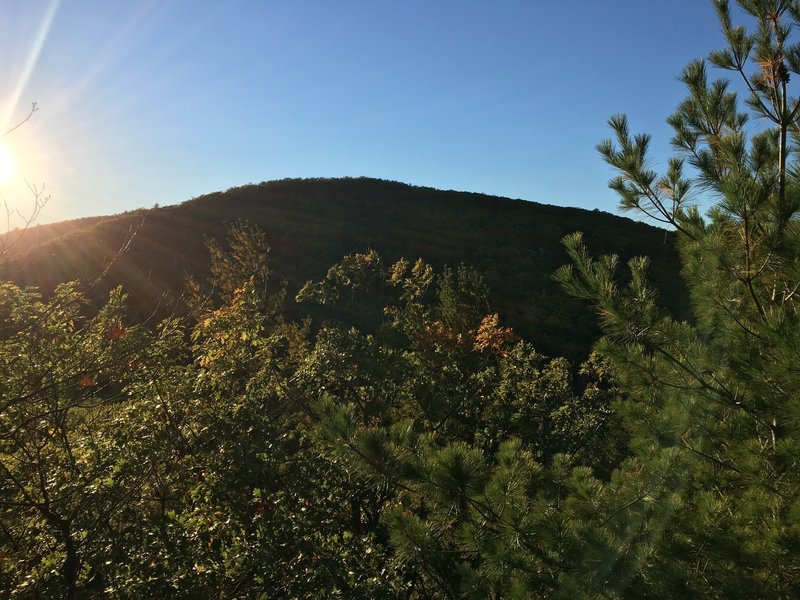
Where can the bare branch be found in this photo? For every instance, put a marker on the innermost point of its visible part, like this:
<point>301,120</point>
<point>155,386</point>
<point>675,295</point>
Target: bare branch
<point>34,108</point>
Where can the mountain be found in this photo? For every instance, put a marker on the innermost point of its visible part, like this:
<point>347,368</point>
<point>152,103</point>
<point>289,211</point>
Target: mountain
<point>312,223</point>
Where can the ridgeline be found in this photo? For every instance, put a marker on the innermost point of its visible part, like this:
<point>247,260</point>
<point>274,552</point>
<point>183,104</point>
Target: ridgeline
<point>312,223</point>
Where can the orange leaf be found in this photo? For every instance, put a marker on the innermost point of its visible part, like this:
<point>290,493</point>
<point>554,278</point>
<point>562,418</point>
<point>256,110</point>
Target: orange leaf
<point>115,332</point>
<point>490,336</point>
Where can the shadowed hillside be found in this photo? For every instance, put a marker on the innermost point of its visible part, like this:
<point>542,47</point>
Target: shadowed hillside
<point>311,224</point>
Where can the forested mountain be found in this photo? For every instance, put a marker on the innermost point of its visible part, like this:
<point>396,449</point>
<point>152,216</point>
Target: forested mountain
<point>311,224</point>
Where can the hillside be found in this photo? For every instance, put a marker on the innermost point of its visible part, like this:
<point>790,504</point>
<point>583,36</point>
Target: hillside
<point>311,224</point>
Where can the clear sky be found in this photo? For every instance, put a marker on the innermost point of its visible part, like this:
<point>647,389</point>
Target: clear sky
<point>145,102</point>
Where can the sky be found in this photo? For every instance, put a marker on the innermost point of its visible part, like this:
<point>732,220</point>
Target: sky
<point>156,102</point>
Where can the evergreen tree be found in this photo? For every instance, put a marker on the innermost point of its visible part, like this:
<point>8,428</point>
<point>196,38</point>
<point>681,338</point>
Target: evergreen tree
<point>707,505</point>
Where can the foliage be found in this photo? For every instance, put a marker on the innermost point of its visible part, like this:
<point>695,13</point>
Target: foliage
<point>407,442</point>
<point>312,223</point>
<point>74,454</point>
<point>449,419</point>
<point>711,490</point>
<point>237,453</point>
<point>175,462</point>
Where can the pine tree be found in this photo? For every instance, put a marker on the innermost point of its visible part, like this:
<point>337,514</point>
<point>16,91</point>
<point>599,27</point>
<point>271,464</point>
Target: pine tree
<point>708,505</point>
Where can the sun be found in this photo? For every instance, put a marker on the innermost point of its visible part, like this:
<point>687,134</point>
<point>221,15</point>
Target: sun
<point>6,164</point>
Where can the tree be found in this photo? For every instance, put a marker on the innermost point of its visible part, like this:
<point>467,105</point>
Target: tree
<point>707,505</point>
<point>75,453</point>
<point>172,460</point>
<point>249,506</point>
<point>443,421</point>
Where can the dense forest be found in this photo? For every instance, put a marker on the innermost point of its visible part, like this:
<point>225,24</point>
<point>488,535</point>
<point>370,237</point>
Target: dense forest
<point>387,426</point>
<point>311,224</point>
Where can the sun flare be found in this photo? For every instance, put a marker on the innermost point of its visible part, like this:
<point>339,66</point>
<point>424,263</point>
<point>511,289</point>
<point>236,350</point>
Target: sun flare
<point>6,164</point>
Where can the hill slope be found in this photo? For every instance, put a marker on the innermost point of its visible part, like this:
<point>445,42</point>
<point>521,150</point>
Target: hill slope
<point>312,223</point>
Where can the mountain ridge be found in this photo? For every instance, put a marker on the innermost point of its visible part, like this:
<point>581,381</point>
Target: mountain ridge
<point>311,223</point>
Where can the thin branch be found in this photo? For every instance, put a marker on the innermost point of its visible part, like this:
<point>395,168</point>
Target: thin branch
<point>34,108</point>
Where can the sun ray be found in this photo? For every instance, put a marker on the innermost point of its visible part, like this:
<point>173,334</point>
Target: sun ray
<point>30,62</point>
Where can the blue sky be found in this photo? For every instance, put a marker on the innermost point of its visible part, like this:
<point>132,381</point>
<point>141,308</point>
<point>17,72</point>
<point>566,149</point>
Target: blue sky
<point>157,102</point>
